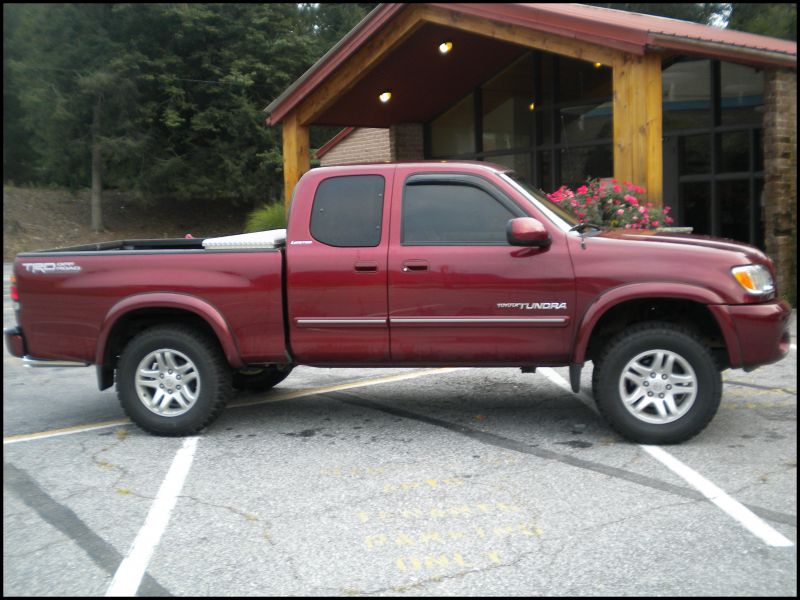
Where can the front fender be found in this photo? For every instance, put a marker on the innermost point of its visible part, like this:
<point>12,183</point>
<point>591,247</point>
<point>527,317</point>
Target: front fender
<point>193,304</point>
<point>655,290</point>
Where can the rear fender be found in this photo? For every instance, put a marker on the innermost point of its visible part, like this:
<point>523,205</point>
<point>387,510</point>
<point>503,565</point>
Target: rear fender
<point>185,302</point>
<point>655,290</point>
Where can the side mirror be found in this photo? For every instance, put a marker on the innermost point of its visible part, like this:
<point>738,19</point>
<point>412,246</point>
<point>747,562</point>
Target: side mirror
<point>527,231</point>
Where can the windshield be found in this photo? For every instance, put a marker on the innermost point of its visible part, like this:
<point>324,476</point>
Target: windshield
<point>552,211</point>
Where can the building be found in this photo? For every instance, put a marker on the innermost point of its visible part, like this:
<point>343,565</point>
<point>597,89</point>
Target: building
<point>703,118</point>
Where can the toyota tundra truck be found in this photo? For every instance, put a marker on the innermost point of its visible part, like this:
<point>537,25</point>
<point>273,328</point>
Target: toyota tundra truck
<point>407,265</point>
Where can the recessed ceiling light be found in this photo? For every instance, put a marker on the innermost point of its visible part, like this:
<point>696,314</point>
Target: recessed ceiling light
<point>445,47</point>
<point>385,97</point>
<point>598,65</point>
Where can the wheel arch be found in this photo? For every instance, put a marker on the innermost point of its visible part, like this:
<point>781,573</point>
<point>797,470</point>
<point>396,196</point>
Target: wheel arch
<point>133,314</point>
<point>685,305</point>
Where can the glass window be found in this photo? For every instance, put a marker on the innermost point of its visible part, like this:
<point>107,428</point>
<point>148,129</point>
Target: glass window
<point>686,94</point>
<point>579,80</point>
<point>759,214</point>
<point>580,164</point>
<point>347,211</point>
<point>507,110</point>
<point>734,202</point>
<point>453,133</point>
<point>734,155</point>
<point>586,123</point>
<point>519,163</point>
<point>450,213</point>
<point>546,91</point>
<point>741,94</point>
<point>696,207</point>
<point>546,171</point>
<point>544,124</point>
<point>695,154</point>
<point>758,147</point>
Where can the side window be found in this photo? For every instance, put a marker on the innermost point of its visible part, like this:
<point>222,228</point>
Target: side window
<point>347,211</point>
<point>448,213</point>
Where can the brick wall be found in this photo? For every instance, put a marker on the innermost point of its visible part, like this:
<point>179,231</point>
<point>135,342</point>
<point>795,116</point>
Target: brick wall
<point>780,176</point>
<point>406,141</point>
<point>365,144</point>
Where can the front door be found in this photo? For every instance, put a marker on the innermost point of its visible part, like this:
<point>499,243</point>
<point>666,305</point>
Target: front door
<point>336,270</point>
<point>458,292</point>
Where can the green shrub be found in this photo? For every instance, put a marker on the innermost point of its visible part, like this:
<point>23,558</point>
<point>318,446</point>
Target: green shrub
<point>269,216</point>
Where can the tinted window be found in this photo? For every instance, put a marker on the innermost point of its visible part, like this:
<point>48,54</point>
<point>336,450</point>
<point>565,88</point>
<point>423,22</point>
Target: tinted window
<point>347,211</point>
<point>451,213</point>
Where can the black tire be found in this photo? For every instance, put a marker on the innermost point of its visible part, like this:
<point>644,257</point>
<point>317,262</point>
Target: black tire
<point>260,379</point>
<point>635,346</point>
<point>207,377</point>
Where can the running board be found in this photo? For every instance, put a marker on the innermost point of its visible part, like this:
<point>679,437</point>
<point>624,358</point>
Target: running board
<point>36,363</point>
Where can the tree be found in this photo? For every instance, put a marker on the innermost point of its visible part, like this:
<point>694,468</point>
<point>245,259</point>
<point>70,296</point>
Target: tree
<point>776,20</point>
<point>69,96</point>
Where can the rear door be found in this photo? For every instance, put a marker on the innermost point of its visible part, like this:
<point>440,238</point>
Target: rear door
<point>458,292</point>
<point>336,269</point>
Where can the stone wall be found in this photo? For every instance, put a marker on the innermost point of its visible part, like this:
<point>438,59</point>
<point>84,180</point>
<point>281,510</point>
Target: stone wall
<point>780,176</point>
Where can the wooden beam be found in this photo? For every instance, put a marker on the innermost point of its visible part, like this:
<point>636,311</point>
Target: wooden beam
<point>296,159</point>
<point>520,35</point>
<point>637,123</point>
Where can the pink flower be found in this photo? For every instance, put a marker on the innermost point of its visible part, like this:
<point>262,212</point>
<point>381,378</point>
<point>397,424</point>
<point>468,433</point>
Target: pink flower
<point>654,223</point>
<point>631,199</point>
<point>573,202</point>
<point>617,189</point>
<point>668,220</point>
<point>582,190</point>
<point>642,209</point>
<point>620,211</point>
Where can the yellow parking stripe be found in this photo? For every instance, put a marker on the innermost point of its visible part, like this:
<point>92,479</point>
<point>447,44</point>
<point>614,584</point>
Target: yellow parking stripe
<point>27,437</point>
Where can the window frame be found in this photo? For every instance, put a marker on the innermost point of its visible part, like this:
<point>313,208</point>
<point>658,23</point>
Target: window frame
<point>380,219</point>
<point>462,179</point>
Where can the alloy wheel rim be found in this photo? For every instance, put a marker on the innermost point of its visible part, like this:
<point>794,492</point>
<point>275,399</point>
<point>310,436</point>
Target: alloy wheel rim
<point>167,382</point>
<point>658,386</point>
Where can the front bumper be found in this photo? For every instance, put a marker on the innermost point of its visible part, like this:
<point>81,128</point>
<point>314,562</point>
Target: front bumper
<point>761,332</point>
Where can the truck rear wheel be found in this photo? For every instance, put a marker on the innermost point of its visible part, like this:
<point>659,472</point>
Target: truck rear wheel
<point>260,379</point>
<point>172,380</point>
<point>656,383</point>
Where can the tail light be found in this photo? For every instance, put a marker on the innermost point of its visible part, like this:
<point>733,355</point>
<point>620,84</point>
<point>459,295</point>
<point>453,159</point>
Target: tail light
<point>13,291</point>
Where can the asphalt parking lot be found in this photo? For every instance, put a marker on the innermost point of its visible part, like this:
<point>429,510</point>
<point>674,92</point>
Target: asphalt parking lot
<point>396,482</point>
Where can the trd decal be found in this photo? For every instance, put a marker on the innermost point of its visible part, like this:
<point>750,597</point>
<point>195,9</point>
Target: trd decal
<point>52,267</point>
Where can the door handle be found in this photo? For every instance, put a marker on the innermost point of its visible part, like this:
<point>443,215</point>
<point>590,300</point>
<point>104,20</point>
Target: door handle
<point>415,265</point>
<point>366,267</point>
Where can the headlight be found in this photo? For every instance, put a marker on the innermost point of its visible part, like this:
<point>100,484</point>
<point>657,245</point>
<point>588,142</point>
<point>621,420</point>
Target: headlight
<point>756,279</point>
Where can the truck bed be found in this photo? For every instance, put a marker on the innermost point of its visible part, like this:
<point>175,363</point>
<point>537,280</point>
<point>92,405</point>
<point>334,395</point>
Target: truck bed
<point>72,296</point>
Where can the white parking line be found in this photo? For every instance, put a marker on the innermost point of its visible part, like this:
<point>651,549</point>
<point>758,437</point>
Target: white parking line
<point>131,570</point>
<point>731,507</point>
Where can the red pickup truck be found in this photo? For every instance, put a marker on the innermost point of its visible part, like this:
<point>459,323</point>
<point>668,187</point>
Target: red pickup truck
<point>407,265</point>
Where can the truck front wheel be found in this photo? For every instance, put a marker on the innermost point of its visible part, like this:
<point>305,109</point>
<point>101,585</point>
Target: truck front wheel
<point>172,380</point>
<point>656,383</point>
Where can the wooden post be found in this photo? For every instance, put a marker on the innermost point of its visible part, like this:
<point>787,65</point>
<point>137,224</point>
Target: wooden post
<point>637,123</point>
<point>296,159</point>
